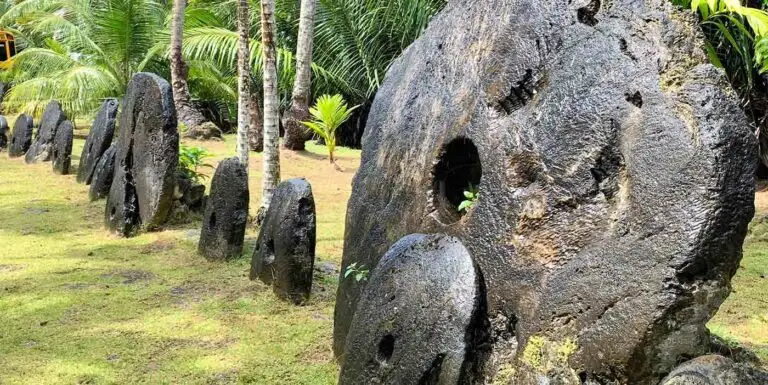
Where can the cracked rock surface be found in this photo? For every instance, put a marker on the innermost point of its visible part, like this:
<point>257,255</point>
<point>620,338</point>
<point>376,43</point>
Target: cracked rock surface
<point>615,172</point>
<point>147,154</point>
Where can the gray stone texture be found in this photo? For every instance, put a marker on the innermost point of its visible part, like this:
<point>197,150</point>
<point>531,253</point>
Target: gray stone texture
<point>417,318</point>
<point>62,148</point>
<point>147,155</point>
<point>42,147</point>
<point>715,370</point>
<point>615,173</point>
<point>98,141</point>
<point>21,138</point>
<point>3,132</point>
<point>285,250</point>
<point>101,180</point>
<point>226,212</point>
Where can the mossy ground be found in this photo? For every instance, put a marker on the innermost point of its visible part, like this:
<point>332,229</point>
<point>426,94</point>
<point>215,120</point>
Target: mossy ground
<point>743,318</point>
<point>81,306</point>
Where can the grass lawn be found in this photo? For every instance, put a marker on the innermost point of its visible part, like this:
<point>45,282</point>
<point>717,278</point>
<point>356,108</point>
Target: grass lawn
<point>80,306</point>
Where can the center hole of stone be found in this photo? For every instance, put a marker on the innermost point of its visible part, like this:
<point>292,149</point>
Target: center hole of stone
<point>456,175</point>
<point>386,348</point>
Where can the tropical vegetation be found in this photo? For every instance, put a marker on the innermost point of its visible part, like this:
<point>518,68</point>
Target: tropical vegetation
<point>737,41</point>
<point>81,51</point>
<point>327,115</point>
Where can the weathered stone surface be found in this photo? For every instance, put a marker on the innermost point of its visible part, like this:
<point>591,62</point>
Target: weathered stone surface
<point>21,138</point>
<point>62,148</point>
<point>189,193</point>
<point>418,316</point>
<point>715,370</point>
<point>101,180</point>
<point>98,141</point>
<point>3,132</point>
<point>615,172</point>
<point>285,250</point>
<point>226,212</point>
<point>42,147</point>
<point>147,156</point>
<point>205,131</point>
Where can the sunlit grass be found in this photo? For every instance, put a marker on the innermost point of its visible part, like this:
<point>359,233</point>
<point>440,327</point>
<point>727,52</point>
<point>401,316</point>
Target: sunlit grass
<point>81,306</point>
<point>743,318</point>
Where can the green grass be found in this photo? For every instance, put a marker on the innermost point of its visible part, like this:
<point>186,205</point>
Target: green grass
<point>743,317</point>
<point>81,306</point>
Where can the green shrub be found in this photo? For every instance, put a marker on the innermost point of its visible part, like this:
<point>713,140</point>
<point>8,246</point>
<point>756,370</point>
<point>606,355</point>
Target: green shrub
<point>190,160</point>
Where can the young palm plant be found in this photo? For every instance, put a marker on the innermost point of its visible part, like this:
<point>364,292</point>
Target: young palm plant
<point>328,114</point>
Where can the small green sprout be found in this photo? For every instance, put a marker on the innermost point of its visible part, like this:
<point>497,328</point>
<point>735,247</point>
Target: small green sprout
<point>360,273</point>
<point>472,194</point>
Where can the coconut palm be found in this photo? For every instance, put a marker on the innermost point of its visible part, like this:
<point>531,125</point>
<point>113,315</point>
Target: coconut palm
<point>186,113</point>
<point>271,161</point>
<point>80,51</point>
<point>295,132</point>
<point>243,81</point>
<point>354,43</point>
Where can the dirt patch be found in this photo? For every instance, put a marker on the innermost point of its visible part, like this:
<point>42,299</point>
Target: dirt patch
<point>158,246</point>
<point>129,276</point>
<point>9,268</point>
<point>191,292</point>
<point>228,377</point>
<point>317,354</point>
<point>35,210</point>
<point>77,286</point>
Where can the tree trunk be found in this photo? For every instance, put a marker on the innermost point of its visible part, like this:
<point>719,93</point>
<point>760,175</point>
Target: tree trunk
<point>271,160</point>
<point>243,81</point>
<point>256,133</point>
<point>184,110</point>
<point>295,132</point>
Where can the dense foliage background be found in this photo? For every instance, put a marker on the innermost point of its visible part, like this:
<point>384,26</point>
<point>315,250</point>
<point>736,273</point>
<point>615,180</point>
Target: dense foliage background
<point>81,51</point>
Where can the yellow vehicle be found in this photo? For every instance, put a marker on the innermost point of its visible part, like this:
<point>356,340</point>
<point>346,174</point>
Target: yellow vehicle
<point>7,50</point>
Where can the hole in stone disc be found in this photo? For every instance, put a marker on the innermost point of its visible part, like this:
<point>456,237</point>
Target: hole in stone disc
<point>458,170</point>
<point>386,348</point>
<point>269,253</point>
<point>212,221</point>
<point>113,212</point>
<point>587,15</point>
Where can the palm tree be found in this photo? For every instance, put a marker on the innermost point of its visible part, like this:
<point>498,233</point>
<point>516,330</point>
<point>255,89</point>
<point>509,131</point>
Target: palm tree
<point>186,113</point>
<point>354,43</point>
<point>243,81</point>
<point>80,51</point>
<point>295,133</point>
<point>271,161</point>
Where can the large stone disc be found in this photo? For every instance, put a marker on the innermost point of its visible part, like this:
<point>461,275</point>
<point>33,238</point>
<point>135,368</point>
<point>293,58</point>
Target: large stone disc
<point>615,172</point>
<point>98,141</point>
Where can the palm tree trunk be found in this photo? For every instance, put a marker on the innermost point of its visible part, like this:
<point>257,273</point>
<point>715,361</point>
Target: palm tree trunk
<point>184,110</point>
<point>271,160</point>
<point>243,81</point>
<point>295,132</point>
<point>256,132</point>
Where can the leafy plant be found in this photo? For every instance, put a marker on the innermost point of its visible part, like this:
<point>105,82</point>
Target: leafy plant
<point>79,51</point>
<point>328,114</point>
<point>745,29</point>
<point>472,194</point>
<point>190,160</point>
<point>360,273</point>
<point>737,41</point>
